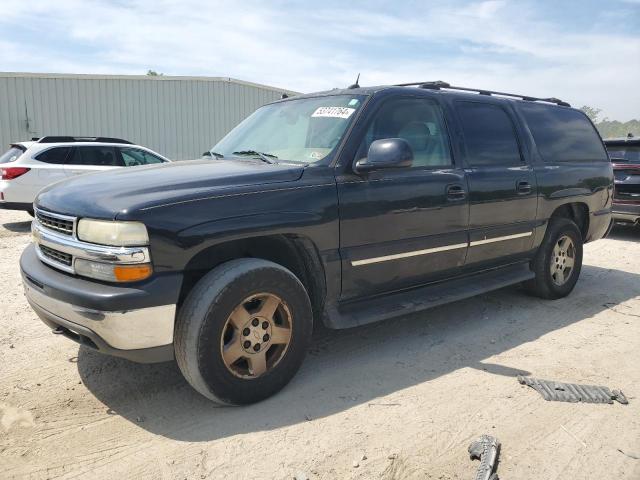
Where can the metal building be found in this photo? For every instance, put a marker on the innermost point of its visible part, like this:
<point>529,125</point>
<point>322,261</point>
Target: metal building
<point>179,117</point>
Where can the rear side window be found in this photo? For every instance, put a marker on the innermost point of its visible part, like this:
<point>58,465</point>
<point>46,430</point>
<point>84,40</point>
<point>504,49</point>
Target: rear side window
<point>563,134</point>
<point>96,156</point>
<point>489,135</point>
<point>54,155</point>
<point>11,155</point>
<point>135,156</point>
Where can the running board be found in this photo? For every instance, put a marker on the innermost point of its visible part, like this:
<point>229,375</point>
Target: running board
<point>384,307</point>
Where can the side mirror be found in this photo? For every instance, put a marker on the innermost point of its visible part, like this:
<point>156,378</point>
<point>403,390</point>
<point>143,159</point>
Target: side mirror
<point>386,153</point>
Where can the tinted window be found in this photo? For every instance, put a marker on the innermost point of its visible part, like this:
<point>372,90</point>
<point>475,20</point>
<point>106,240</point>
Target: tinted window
<point>54,155</point>
<point>621,153</point>
<point>419,122</point>
<point>562,134</point>
<point>11,155</point>
<point>489,135</point>
<point>134,156</point>
<point>98,156</point>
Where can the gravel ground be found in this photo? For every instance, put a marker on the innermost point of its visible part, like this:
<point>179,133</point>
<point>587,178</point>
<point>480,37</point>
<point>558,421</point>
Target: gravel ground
<point>396,400</point>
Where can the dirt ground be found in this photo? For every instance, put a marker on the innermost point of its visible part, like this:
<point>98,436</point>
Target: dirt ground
<point>395,400</point>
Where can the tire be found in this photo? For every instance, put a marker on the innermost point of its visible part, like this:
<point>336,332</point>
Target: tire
<point>205,328</point>
<point>553,280</point>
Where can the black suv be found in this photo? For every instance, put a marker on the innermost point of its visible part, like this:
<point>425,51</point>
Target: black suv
<point>345,207</point>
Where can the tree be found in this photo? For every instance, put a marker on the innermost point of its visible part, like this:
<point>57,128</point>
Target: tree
<point>153,73</point>
<point>591,112</point>
<point>611,128</point>
<point>616,129</point>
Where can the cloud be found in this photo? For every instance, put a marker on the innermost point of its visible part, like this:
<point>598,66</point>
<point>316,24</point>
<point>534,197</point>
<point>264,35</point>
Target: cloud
<point>531,47</point>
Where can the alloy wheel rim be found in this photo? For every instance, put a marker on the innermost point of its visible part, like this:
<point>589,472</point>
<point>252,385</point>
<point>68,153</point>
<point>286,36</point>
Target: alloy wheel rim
<point>256,335</point>
<point>562,260</point>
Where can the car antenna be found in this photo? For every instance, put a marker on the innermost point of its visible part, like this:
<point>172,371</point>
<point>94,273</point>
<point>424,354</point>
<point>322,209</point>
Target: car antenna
<point>355,85</point>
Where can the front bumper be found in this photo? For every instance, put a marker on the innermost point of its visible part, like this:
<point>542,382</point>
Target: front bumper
<point>131,322</point>
<point>626,212</point>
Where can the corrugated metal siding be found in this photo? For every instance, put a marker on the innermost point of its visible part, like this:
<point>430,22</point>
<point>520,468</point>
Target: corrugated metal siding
<point>179,117</point>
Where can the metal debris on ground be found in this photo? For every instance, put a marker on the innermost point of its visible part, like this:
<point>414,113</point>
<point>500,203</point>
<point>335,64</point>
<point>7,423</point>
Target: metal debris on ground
<point>573,392</point>
<point>485,449</point>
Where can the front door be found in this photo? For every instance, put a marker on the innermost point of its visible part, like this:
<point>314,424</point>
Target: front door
<point>403,227</point>
<point>503,190</point>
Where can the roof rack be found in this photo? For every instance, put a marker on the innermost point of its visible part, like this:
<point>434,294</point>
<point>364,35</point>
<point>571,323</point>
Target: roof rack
<point>439,84</point>
<point>60,139</point>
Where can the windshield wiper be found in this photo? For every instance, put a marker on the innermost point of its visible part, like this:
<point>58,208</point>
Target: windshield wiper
<point>212,154</point>
<point>265,157</point>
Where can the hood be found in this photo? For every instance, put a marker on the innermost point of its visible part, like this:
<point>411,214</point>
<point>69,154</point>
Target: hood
<point>125,190</point>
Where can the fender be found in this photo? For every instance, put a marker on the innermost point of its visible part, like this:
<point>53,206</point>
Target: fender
<point>205,235</point>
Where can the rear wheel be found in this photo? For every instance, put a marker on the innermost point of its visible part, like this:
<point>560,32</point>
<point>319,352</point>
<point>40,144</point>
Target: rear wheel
<point>558,262</point>
<point>243,331</point>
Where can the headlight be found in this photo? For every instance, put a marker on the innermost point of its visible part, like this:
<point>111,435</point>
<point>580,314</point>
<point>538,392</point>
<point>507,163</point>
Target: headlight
<point>110,272</point>
<point>119,234</point>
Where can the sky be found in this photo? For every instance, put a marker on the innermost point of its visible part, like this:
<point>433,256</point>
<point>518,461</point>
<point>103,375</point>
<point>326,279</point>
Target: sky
<point>584,52</point>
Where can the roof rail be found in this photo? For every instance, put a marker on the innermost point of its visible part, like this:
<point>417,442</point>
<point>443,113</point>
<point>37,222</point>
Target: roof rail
<point>62,139</point>
<point>439,84</point>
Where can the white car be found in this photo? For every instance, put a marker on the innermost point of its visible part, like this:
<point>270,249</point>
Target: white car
<point>27,167</point>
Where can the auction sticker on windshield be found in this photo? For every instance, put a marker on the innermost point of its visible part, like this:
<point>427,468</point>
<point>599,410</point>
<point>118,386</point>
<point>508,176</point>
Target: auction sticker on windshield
<point>334,112</point>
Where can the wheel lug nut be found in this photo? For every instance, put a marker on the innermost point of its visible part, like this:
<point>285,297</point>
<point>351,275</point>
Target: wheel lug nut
<point>246,332</point>
<point>265,338</point>
<point>256,347</point>
<point>255,322</point>
<point>265,325</point>
<point>246,344</point>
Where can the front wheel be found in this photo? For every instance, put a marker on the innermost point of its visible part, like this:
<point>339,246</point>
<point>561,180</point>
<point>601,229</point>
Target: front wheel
<point>243,331</point>
<point>558,261</point>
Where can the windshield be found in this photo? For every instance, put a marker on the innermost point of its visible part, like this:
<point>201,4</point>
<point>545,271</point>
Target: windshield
<point>10,155</point>
<point>304,130</point>
<point>628,154</point>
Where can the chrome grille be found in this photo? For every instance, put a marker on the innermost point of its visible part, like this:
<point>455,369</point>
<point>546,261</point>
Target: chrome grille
<point>57,223</point>
<point>56,256</point>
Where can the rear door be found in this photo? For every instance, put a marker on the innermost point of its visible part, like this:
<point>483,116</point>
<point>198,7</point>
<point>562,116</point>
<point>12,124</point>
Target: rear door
<point>503,190</point>
<point>92,158</point>
<point>48,168</point>
<point>403,227</point>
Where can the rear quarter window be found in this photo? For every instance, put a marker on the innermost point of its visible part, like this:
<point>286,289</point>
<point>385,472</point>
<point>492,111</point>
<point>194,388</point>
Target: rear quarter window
<point>56,155</point>
<point>563,134</point>
<point>11,155</point>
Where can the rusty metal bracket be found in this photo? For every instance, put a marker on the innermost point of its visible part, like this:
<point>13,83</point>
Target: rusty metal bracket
<point>573,392</point>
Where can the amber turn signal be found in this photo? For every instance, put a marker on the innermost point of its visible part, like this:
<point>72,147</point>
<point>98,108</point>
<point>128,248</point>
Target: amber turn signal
<point>132,273</point>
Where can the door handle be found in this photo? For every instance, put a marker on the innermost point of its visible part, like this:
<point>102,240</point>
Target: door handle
<point>456,192</point>
<point>523,187</point>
